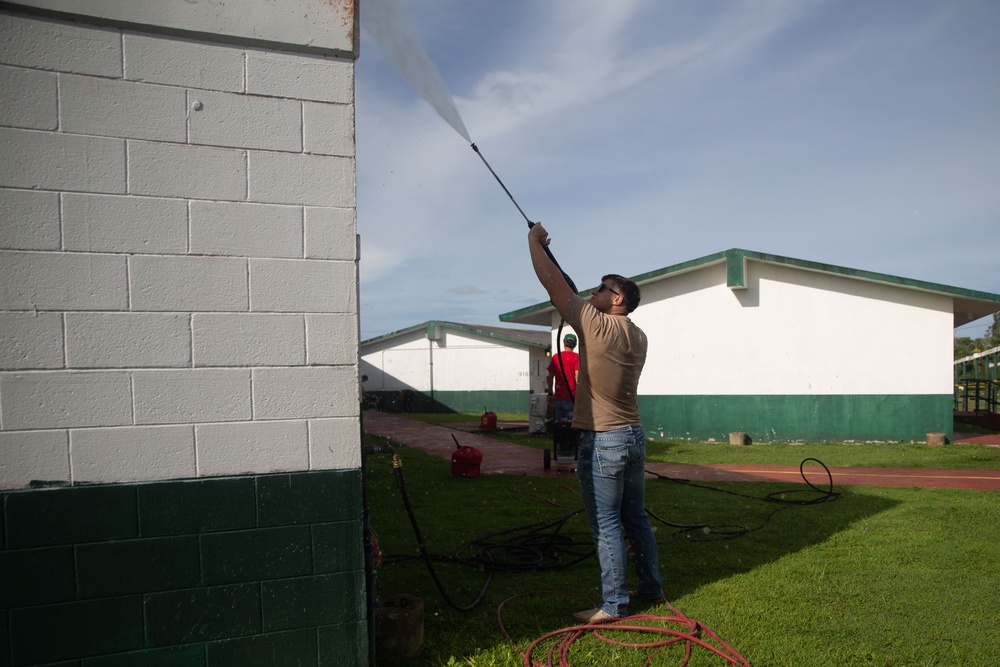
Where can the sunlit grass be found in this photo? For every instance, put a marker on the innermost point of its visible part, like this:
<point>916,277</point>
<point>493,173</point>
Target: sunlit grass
<point>880,576</point>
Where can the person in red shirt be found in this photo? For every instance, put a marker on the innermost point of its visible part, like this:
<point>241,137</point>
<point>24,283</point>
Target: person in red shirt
<point>559,392</point>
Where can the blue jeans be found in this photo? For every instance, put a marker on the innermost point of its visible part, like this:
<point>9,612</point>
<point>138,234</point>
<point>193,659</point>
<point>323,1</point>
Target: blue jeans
<point>611,470</point>
<point>563,411</point>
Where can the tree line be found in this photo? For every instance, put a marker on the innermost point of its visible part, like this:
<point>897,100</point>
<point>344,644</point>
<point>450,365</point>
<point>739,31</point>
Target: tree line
<point>965,347</point>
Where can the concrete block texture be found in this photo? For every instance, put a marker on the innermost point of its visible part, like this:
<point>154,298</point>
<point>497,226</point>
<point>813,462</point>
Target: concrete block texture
<point>246,230</point>
<point>245,121</point>
<point>132,454</point>
<point>33,456</point>
<point>328,129</point>
<point>332,339</point>
<point>108,223</point>
<point>30,220</point>
<point>128,340</point>
<point>115,108</point>
<point>252,447</point>
<point>49,161</point>
<point>191,396</point>
<point>30,99</point>
<point>248,340</point>
<point>302,286</point>
<point>56,281</point>
<point>57,45</point>
<point>334,444</point>
<point>305,392</point>
<point>31,341</point>
<point>62,399</point>
<point>306,77</point>
<point>194,172</point>
<point>167,283</point>
<point>178,248</point>
<point>331,233</point>
<point>183,62</point>
<point>312,180</point>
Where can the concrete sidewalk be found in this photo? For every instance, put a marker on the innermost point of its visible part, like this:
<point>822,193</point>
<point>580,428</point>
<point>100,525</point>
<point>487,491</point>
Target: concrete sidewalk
<point>511,459</point>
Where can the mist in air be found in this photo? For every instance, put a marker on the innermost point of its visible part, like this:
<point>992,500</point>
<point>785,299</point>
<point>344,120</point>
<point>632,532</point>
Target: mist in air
<point>385,22</point>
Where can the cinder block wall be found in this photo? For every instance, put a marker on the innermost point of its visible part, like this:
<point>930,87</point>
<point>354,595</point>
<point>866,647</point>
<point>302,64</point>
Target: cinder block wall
<point>178,300</point>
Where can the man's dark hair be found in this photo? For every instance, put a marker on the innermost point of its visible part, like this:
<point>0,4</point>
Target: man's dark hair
<point>628,289</point>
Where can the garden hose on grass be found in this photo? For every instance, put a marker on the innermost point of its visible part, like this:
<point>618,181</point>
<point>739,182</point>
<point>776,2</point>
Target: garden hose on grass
<point>675,629</point>
<point>724,532</point>
<point>530,548</point>
<point>397,470</point>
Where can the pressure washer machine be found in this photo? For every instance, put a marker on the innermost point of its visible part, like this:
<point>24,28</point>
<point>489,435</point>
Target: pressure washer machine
<point>565,443</point>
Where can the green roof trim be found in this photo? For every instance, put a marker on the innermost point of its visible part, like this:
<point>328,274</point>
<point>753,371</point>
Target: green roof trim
<point>969,304</point>
<point>532,338</point>
<point>736,270</point>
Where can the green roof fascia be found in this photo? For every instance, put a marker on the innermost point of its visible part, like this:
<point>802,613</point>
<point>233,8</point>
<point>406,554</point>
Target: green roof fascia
<point>431,325</point>
<point>487,334</point>
<point>736,265</point>
<point>736,278</point>
<point>639,280</point>
<point>395,334</point>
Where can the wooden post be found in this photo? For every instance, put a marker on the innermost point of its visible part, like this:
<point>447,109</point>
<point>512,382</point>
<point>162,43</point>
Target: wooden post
<point>936,439</point>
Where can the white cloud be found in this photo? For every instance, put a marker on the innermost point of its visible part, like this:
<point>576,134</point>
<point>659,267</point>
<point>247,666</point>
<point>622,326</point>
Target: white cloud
<point>649,132</point>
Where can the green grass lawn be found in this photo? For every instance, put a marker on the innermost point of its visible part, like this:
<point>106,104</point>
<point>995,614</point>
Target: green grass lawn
<point>878,577</point>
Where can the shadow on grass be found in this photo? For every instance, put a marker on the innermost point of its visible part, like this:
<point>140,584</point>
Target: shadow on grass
<point>453,511</point>
<point>762,529</point>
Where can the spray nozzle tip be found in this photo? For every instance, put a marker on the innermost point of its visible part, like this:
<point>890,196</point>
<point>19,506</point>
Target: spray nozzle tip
<point>475,147</point>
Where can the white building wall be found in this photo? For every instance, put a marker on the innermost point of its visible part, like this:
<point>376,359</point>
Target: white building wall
<point>398,363</point>
<point>792,332</point>
<point>464,363</point>
<point>455,362</point>
<point>177,253</point>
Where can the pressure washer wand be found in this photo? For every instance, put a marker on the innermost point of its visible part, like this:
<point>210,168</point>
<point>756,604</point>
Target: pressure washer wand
<point>526,219</point>
<point>548,252</point>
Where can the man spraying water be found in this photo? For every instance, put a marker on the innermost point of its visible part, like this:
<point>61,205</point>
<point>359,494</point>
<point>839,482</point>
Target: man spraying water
<point>611,466</point>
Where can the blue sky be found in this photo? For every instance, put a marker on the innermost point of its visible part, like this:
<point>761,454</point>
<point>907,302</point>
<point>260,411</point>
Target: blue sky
<point>644,133</point>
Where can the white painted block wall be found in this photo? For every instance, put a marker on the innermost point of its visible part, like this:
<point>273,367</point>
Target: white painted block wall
<point>459,362</point>
<point>178,265</point>
<point>792,332</point>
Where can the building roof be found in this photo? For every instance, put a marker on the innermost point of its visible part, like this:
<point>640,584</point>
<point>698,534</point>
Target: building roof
<point>969,305</point>
<point>518,336</point>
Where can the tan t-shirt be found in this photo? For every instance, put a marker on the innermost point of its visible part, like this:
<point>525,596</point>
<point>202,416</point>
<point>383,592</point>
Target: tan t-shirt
<point>612,353</point>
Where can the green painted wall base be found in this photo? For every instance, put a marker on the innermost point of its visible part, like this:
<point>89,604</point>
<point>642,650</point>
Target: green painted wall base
<point>256,570</point>
<point>788,418</point>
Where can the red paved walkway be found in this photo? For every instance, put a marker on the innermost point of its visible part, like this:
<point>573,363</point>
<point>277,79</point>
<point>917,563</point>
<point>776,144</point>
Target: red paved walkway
<point>512,459</point>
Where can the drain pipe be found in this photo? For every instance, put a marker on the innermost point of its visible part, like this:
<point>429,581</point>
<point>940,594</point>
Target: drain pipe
<point>371,582</point>
<point>430,366</point>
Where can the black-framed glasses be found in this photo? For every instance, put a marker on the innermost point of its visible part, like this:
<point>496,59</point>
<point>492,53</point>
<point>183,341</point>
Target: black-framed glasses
<point>602,287</point>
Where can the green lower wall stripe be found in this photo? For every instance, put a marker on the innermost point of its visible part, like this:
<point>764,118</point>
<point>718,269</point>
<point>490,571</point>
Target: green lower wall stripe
<point>765,418</point>
<point>216,567</point>
<point>792,418</point>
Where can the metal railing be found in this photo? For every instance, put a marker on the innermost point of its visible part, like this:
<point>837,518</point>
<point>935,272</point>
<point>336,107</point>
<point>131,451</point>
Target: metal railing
<point>977,382</point>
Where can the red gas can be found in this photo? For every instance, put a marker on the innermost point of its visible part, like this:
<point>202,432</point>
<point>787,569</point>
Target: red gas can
<point>488,422</point>
<point>465,462</point>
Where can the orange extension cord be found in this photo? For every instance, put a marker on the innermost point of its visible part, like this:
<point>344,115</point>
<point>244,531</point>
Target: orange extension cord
<point>560,642</point>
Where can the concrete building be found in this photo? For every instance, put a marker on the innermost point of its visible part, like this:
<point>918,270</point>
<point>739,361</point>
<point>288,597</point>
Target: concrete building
<point>179,444</point>
<point>787,350</point>
<point>447,366</point>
